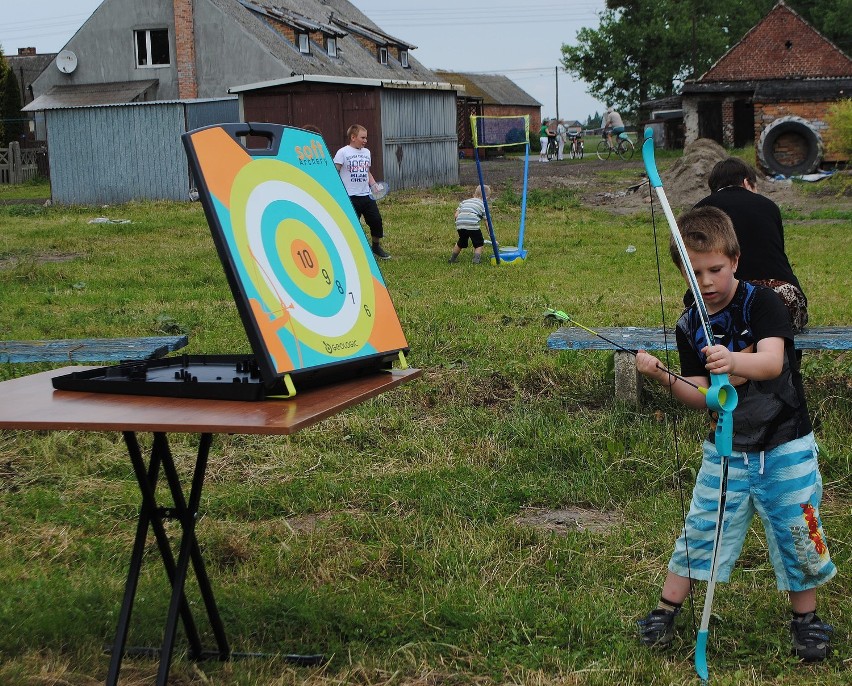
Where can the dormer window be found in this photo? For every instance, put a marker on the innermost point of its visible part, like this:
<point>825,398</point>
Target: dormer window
<point>403,58</point>
<point>152,48</point>
<point>304,44</point>
<point>331,46</point>
<point>383,55</point>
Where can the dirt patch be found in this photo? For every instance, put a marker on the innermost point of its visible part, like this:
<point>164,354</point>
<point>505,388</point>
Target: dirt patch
<point>44,258</point>
<point>627,192</point>
<point>305,524</point>
<point>568,520</point>
<point>308,523</point>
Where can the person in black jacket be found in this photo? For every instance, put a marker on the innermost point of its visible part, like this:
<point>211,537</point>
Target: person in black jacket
<point>760,232</point>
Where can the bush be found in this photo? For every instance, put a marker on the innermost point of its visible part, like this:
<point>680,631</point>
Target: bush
<point>838,138</point>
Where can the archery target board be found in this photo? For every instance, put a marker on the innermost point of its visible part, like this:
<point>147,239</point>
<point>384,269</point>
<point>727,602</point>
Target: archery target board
<point>304,278</point>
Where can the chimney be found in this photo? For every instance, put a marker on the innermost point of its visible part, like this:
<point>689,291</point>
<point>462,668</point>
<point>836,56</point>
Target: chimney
<point>26,52</point>
<point>185,48</point>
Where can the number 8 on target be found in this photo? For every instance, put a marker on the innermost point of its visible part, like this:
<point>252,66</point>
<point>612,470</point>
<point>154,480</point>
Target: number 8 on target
<point>306,284</point>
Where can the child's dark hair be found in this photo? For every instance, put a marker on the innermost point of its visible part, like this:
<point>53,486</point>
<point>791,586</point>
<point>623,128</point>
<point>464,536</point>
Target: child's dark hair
<point>705,229</point>
<point>731,172</point>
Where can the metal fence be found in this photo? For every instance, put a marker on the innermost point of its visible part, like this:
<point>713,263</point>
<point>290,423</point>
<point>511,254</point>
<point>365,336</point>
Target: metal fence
<point>18,165</point>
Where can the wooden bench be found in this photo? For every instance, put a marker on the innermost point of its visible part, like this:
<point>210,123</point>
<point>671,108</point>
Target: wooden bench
<point>91,349</point>
<point>628,385</point>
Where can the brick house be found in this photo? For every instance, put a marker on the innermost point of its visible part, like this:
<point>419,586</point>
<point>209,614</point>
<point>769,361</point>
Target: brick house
<point>783,71</point>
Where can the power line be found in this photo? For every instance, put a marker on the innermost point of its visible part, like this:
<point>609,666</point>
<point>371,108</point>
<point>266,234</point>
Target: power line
<point>37,22</point>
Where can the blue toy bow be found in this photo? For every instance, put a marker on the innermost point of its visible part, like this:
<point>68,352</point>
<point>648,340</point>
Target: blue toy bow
<point>721,398</point>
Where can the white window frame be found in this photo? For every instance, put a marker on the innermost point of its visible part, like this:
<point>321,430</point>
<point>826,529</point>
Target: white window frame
<point>403,59</point>
<point>304,43</point>
<point>148,64</point>
<point>331,46</point>
<point>383,55</point>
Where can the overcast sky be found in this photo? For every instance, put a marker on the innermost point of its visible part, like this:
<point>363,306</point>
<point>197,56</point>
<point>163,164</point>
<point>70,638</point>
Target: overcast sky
<point>494,36</point>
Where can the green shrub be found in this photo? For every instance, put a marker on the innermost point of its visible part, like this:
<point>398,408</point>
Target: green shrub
<point>838,138</point>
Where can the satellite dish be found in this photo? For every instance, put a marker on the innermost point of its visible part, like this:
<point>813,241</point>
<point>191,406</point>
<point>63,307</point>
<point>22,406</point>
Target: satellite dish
<point>66,61</point>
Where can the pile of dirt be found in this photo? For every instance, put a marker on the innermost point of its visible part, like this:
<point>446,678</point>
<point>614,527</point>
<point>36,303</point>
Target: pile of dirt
<point>687,178</point>
<point>685,182</point>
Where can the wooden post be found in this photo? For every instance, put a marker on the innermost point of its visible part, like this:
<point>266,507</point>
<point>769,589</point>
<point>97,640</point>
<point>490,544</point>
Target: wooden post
<point>628,382</point>
<point>15,168</point>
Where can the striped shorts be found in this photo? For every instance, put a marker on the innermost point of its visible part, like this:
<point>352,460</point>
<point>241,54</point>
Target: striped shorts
<point>784,487</point>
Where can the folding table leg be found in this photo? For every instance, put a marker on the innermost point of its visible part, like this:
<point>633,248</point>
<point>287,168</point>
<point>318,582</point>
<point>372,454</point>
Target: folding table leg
<point>189,550</point>
<point>149,479</point>
<point>152,515</point>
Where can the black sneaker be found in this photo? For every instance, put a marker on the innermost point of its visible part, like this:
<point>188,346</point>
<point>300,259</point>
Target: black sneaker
<point>811,637</point>
<point>378,252</point>
<point>657,629</point>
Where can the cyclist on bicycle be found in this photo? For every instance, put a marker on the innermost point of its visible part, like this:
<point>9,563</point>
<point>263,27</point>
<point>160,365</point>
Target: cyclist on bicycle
<point>551,139</point>
<point>612,124</point>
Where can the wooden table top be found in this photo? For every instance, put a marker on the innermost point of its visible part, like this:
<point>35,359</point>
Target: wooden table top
<point>31,403</point>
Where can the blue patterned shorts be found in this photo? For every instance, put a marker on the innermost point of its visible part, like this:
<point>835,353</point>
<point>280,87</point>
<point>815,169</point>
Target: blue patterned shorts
<point>784,487</point>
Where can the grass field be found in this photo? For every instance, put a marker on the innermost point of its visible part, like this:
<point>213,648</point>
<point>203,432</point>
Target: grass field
<point>404,538</point>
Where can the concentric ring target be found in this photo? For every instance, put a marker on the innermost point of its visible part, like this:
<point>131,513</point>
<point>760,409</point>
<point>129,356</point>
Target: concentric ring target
<point>303,256</point>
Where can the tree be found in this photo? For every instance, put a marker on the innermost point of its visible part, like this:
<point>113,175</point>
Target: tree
<point>645,49</point>
<point>11,116</point>
<point>4,67</point>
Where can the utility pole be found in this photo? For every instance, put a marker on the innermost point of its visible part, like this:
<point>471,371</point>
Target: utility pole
<point>556,74</point>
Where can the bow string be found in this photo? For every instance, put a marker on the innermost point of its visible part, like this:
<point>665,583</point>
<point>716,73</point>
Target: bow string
<point>721,398</point>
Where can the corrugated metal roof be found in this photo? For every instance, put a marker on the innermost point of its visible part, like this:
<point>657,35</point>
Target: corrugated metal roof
<point>795,89</point>
<point>350,81</point>
<point>353,60</point>
<point>88,94</point>
<point>804,89</point>
<point>494,89</point>
<point>670,102</point>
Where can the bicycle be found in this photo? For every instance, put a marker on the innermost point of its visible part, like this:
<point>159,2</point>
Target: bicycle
<point>552,152</point>
<point>623,148</point>
<point>575,150</point>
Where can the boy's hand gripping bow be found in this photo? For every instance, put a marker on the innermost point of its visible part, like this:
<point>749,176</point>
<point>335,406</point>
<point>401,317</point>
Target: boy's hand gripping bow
<point>721,398</point>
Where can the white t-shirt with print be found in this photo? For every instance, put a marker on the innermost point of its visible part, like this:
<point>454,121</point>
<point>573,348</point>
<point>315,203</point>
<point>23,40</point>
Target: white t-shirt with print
<point>354,169</point>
